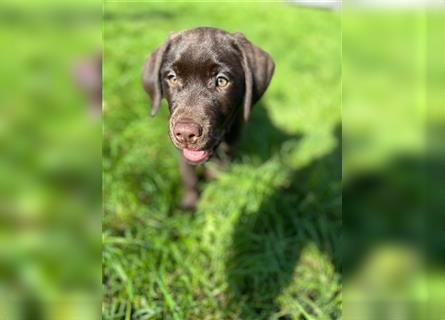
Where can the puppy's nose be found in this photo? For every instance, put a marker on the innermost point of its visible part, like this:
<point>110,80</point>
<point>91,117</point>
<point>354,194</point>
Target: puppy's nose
<point>187,131</point>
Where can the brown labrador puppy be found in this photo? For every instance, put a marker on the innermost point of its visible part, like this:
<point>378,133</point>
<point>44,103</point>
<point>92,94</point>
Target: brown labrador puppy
<point>210,78</point>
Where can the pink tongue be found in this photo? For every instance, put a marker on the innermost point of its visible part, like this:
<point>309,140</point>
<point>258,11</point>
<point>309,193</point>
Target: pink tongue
<point>194,155</point>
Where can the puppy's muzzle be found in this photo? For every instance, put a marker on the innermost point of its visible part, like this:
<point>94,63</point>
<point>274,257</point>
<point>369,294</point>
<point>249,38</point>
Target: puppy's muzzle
<point>187,132</point>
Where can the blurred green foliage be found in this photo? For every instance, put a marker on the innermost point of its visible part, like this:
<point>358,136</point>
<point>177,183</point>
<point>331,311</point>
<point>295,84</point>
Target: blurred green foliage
<point>50,217</point>
<point>264,243</point>
<point>393,164</point>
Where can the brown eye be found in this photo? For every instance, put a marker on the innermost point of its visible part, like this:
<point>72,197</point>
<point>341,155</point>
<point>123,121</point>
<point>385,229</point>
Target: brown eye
<point>221,82</point>
<point>171,78</point>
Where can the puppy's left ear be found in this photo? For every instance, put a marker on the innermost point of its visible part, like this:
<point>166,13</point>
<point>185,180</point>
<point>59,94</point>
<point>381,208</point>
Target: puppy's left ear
<point>151,77</point>
<point>258,68</point>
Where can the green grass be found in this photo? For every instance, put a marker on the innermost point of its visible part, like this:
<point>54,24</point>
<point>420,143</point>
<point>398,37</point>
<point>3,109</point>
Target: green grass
<point>264,242</point>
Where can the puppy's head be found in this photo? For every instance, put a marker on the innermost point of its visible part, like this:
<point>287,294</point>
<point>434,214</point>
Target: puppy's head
<point>210,78</point>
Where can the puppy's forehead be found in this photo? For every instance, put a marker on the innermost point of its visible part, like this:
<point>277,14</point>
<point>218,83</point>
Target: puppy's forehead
<point>202,46</point>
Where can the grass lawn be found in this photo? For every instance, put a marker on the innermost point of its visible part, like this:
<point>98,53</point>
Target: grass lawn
<point>264,242</point>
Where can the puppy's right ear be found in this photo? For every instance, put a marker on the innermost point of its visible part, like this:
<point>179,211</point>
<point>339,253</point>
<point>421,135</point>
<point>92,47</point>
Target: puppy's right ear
<point>258,68</point>
<point>151,77</point>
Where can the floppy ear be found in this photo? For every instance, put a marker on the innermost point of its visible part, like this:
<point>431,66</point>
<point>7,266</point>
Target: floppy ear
<point>151,77</point>
<point>258,69</point>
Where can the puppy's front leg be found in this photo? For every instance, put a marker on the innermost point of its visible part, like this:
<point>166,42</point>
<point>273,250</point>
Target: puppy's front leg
<point>190,183</point>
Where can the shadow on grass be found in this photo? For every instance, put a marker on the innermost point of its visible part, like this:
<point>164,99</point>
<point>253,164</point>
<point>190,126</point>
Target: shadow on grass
<point>400,203</point>
<point>261,139</point>
<point>267,244</point>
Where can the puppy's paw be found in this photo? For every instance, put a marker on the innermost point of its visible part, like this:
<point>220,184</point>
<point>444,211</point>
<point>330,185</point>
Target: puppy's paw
<point>189,200</point>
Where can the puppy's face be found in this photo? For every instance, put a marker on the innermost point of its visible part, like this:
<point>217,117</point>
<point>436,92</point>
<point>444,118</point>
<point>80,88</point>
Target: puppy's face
<point>209,78</point>
<point>203,81</point>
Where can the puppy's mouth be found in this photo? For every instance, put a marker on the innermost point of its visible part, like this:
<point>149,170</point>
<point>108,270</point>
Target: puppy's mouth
<point>195,156</point>
<point>199,152</point>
